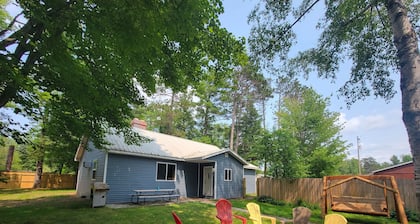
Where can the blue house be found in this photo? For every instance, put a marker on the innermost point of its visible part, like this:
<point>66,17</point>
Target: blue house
<point>194,169</point>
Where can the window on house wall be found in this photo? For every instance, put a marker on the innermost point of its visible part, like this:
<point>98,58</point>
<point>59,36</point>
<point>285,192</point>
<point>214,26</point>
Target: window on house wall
<point>94,168</point>
<point>228,174</point>
<point>165,171</point>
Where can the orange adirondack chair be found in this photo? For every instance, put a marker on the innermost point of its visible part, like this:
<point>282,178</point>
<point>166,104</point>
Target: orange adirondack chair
<point>224,212</point>
<point>176,218</point>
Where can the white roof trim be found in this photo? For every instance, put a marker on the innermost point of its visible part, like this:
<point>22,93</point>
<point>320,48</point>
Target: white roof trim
<point>81,149</point>
<point>145,155</point>
<point>234,154</point>
<point>250,166</point>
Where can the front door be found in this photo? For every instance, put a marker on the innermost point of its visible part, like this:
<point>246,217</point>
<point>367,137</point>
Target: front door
<point>208,181</point>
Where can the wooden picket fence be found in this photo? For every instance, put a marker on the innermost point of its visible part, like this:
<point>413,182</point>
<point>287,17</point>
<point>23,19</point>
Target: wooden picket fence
<point>16,180</point>
<point>310,190</point>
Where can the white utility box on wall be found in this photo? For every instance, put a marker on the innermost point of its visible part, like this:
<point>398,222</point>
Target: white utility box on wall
<point>99,194</point>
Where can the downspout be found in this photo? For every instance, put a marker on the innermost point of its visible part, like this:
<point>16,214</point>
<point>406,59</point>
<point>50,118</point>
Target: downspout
<point>198,184</point>
<point>105,167</point>
<point>215,180</point>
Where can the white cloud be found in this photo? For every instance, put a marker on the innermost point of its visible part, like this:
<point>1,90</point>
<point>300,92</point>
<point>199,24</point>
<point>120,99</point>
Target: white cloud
<point>364,122</point>
<point>381,135</point>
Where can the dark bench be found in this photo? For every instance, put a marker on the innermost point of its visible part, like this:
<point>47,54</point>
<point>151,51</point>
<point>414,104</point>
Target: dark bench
<point>154,194</point>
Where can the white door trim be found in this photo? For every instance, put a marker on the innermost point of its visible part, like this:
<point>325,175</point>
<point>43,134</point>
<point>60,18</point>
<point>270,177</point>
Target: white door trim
<point>208,181</point>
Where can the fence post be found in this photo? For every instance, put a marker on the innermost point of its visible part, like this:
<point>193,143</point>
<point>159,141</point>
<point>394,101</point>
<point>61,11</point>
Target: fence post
<point>243,188</point>
<point>258,187</point>
<point>324,197</point>
<point>402,217</point>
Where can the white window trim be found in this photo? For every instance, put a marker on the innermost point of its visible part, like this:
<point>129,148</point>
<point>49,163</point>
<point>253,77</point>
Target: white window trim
<point>229,172</point>
<point>94,169</point>
<point>166,172</point>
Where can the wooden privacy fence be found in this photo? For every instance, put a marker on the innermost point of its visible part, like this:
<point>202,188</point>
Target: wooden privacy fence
<point>310,190</point>
<point>17,180</point>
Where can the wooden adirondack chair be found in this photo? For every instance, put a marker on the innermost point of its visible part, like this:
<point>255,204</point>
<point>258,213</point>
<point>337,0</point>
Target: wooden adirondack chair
<point>224,212</point>
<point>335,219</point>
<point>176,218</point>
<point>255,214</point>
<point>301,215</point>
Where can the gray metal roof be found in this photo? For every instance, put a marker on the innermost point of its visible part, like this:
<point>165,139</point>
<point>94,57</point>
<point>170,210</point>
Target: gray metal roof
<point>166,146</point>
<point>391,167</point>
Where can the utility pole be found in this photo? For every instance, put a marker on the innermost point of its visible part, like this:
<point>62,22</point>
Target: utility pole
<point>358,154</point>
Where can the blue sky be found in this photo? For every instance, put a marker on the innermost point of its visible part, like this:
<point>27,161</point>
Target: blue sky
<point>377,123</point>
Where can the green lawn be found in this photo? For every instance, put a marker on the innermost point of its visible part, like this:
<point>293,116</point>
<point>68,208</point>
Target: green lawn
<point>61,206</point>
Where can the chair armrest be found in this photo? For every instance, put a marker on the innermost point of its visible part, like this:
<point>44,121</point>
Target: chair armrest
<point>241,218</point>
<point>273,220</point>
<point>254,219</point>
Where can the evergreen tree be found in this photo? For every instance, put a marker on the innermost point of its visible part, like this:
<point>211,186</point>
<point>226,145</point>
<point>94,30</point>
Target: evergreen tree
<point>249,126</point>
<point>369,165</point>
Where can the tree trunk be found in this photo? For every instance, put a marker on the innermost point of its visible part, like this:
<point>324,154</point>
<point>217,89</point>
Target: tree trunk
<point>237,136</point>
<point>405,40</point>
<point>60,168</point>
<point>38,174</point>
<point>263,113</point>
<point>9,160</point>
<point>232,126</point>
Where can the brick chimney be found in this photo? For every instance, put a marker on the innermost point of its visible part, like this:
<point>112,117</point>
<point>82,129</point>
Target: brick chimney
<point>136,123</point>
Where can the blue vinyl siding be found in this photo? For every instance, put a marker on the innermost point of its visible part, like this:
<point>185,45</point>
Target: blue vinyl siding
<point>127,173</point>
<point>188,172</point>
<point>228,189</point>
<point>99,155</point>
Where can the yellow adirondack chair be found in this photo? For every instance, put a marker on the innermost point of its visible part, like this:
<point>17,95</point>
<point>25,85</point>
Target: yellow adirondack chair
<point>255,214</point>
<point>335,219</point>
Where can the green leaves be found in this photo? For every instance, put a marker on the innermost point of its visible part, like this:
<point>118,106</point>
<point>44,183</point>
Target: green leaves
<point>318,146</point>
<point>357,31</point>
<point>3,14</point>
<point>91,52</point>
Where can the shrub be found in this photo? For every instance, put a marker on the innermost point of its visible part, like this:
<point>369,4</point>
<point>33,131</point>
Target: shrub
<point>411,215</point>
<point>303,203</point>
<point>270,200</point>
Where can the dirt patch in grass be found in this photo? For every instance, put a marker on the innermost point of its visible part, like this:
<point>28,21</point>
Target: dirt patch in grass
<point>34,201</point>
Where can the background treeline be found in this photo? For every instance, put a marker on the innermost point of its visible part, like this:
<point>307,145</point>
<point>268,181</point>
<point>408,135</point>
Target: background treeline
<point>303,141</point>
